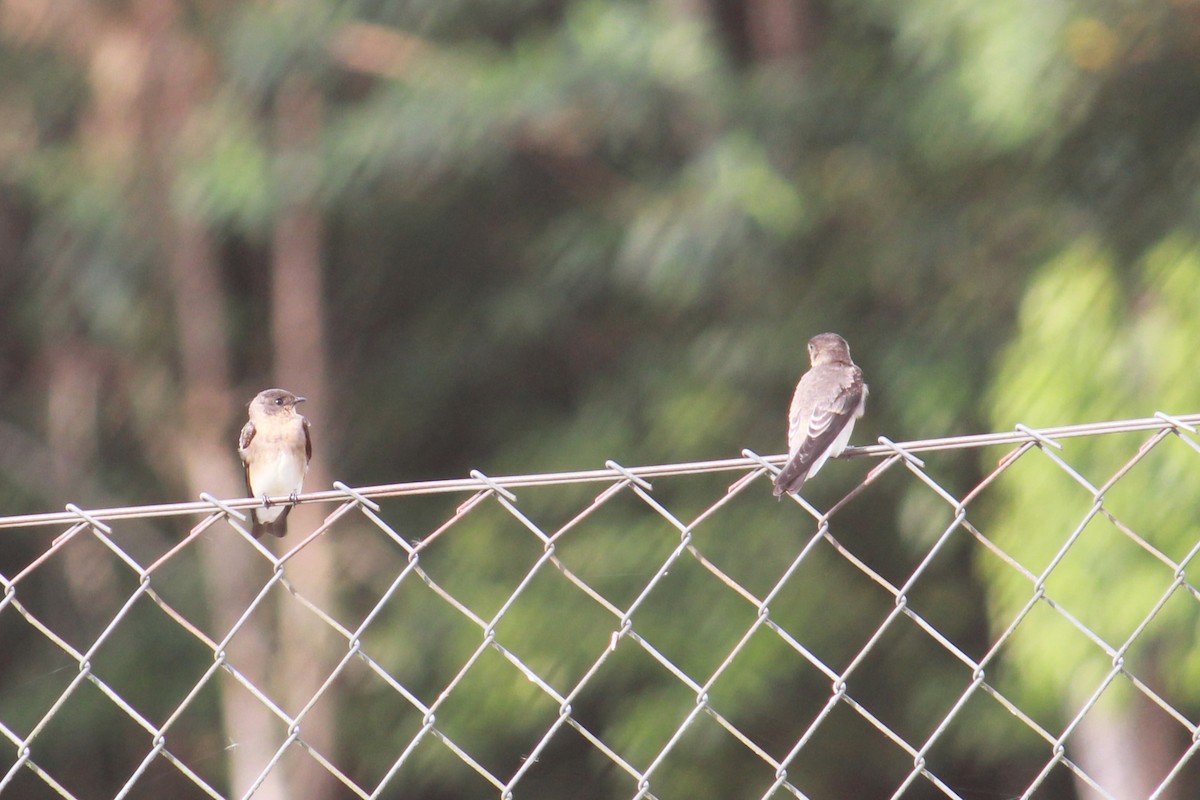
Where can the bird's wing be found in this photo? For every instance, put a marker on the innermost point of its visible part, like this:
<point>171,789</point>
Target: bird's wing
<point>817,420</point>
<point>244,440</point>
<point>814,422</point>
<point>307,442</point>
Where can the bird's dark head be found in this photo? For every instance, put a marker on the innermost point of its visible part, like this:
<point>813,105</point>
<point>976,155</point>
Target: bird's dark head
<point>274,401</point>
<point>828,348</point>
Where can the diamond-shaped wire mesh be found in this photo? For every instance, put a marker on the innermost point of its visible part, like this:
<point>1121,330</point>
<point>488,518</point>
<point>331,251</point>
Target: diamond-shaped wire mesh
<point>651,632</point>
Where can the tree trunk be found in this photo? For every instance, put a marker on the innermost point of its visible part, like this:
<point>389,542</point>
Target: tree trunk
<point>175,86</point>
<point>1127,748</point>
<point>761,31</point>
<point>308,650</point>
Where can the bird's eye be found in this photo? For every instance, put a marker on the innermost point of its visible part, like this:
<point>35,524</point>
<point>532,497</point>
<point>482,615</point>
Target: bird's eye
<point>278,401</point>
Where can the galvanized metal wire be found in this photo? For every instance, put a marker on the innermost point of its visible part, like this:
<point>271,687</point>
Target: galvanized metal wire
<point>146,582</point>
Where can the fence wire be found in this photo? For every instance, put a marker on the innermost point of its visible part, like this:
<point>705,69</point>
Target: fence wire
<point>764,634</point>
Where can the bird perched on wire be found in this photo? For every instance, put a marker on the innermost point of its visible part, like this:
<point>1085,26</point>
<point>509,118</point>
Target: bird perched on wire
<point>828,399</point>
<point>275,447</point>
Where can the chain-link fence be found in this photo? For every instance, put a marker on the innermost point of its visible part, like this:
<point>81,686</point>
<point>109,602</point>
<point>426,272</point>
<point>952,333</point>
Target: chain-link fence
<point>643,632</point>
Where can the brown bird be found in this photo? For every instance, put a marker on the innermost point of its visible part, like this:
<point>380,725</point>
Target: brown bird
<point>828,398</point>
<point>275,447</point>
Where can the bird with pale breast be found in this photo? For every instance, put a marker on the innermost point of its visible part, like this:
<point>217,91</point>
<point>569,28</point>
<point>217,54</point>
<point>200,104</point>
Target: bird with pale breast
<point>275,446</point>
<point>828,399</point>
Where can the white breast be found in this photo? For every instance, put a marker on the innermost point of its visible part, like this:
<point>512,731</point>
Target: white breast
<point>278,476</point>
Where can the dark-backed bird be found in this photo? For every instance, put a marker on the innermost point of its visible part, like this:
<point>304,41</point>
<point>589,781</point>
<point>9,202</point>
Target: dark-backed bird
<point>828,398</point>
<point>275,447</point>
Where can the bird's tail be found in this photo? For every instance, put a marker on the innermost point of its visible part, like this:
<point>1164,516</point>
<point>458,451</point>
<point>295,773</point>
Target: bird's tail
<point>276,527</point>
<point>792,477</point>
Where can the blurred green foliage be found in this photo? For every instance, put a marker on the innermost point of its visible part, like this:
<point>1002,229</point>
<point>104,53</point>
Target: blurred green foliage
<point>1093,345</point>
<point>564,231</point>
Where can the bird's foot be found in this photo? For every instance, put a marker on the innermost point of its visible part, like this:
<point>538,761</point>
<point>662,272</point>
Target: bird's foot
<point>294,498</point>
<point>266,501</point>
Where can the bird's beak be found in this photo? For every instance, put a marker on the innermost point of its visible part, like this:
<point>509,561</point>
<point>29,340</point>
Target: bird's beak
<point>300,399</point>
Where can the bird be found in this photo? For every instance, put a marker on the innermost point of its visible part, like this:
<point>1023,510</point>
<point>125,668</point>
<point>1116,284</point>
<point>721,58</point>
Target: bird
<point>828,399</point>
<point>275,446</point>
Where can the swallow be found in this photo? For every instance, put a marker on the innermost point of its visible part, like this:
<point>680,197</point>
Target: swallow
<point>828,399</point>
<point>275,446</point>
